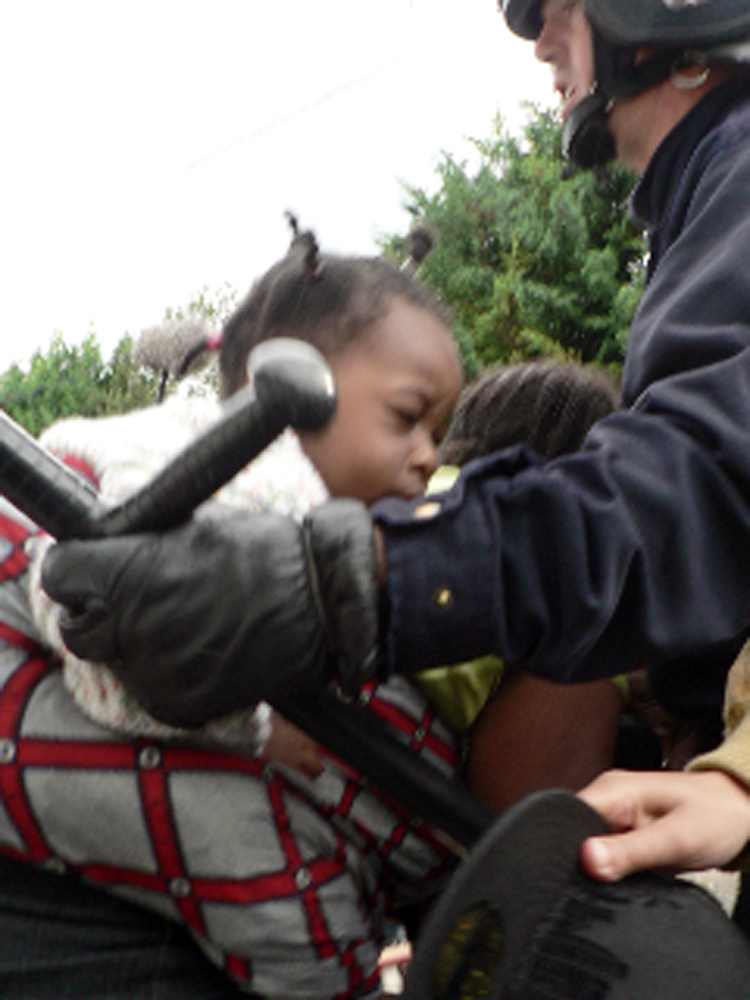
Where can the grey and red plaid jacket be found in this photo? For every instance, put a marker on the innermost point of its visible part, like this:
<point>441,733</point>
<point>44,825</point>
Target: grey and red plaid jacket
<point>282,881</point>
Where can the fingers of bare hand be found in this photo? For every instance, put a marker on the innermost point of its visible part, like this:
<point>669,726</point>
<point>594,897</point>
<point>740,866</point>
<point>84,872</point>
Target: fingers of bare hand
<point>658,846</point>
<point>622,797</point>
<point>665,820</point>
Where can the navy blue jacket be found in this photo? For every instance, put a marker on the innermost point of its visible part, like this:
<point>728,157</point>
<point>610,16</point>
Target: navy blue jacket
<point>634,552</point>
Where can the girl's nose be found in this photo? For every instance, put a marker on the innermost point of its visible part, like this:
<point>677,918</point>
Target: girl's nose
<point>424,456</point>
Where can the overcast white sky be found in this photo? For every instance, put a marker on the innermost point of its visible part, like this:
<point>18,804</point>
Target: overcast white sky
<point>150,147</point>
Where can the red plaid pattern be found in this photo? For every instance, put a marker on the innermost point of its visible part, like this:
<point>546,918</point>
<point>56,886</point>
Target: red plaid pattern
<point>284,882</point>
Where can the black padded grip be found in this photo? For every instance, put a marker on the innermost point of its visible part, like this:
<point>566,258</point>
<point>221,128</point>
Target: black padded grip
<point>199,471</point>
<point>291,386</point>
<point>368,743</point>
<point>54,496</point>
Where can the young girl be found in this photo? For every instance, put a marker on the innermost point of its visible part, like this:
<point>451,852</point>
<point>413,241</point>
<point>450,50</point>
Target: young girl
<point>397,376</point>
<point>283,874</point>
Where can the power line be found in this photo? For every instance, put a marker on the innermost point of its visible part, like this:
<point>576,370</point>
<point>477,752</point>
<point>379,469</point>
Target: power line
<point>289,116</point>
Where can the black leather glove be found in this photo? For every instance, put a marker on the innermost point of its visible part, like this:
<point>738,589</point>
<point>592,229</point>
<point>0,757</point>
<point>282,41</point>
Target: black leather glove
<point>226,610</point>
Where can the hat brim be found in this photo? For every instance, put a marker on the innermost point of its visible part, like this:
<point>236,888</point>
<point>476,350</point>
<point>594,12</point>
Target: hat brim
<point>521,921</point>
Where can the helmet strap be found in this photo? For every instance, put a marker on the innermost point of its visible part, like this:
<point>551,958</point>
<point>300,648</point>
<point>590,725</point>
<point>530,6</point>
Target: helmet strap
<point>587,141</point>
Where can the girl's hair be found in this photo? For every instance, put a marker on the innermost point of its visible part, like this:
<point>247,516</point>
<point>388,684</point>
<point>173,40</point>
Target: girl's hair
<point>327,300</point>
<point>547,405</point>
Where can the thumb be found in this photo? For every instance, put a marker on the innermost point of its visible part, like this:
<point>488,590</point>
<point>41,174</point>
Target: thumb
<point>613,856</point>
<point>600,859</point>
<point>74,572</point>
<point>63,572</point>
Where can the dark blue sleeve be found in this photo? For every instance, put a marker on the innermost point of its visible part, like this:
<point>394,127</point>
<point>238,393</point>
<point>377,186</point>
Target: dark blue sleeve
<point>636,551</point>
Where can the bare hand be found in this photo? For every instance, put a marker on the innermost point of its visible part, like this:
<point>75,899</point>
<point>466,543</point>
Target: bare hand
<point>665,820</point>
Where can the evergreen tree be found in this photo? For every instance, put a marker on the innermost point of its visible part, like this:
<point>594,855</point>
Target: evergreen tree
<point>64,381</point>
<point>530,258</point>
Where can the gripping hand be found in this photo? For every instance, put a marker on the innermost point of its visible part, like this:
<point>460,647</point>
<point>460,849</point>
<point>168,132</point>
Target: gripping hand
<point>226,610</point>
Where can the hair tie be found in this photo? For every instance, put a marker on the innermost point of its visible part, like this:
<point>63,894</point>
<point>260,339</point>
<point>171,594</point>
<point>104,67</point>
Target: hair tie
<point>311,262</point>
<point>419,244</point>
<point>207,345</point>
<point>304,239</point>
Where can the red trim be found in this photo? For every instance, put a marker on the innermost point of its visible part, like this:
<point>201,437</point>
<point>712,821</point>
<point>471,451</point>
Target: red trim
<point>16,562</point>
<point>15,696</point>
<point>82,467</point>
<point>13,530</point>
<point>321,870</point>
<point>403,722</point>
<point>15,638</point>
<point>164,838</point>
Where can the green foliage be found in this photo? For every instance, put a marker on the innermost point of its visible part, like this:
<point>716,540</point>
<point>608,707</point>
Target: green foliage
<point>66,380</point>
<point>214,304</point>
<point>530,259</point>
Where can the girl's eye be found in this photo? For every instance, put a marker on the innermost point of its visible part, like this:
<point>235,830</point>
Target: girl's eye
<point>408,418</point>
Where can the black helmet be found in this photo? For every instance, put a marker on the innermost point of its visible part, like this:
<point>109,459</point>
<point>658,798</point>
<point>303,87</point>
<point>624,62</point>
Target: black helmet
<point>673,23</point>
<point>716,29</point>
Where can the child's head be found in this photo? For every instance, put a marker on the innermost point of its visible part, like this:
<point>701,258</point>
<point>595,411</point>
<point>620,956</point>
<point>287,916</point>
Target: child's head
<point>547,405</point>
<point>391,352</point>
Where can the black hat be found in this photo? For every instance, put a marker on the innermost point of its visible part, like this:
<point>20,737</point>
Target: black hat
<point>520,920</point>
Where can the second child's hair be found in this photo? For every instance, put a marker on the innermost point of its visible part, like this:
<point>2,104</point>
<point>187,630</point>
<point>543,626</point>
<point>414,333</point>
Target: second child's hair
<point>547,405</point>
<point>330,301</point>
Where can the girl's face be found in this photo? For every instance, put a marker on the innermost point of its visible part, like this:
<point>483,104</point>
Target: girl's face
<point>396,391</point>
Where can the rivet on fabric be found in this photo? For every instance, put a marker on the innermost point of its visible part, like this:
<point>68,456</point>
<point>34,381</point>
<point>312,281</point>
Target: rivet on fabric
<point>442,597</point>
<point>303,879</point>
<point>427,510</point>
<point>149,757</point>
<point>179,887</point>
<point>55,865</point>
<point>7,751</point>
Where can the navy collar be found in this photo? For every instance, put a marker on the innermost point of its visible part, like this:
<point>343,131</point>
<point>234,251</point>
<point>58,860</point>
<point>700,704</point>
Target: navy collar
<point>650,198</point>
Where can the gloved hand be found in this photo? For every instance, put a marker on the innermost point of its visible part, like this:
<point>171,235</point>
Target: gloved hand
<point>226,610</point>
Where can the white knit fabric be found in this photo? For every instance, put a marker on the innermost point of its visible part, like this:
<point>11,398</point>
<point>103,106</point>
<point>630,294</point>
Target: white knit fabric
<point>123,453</point>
